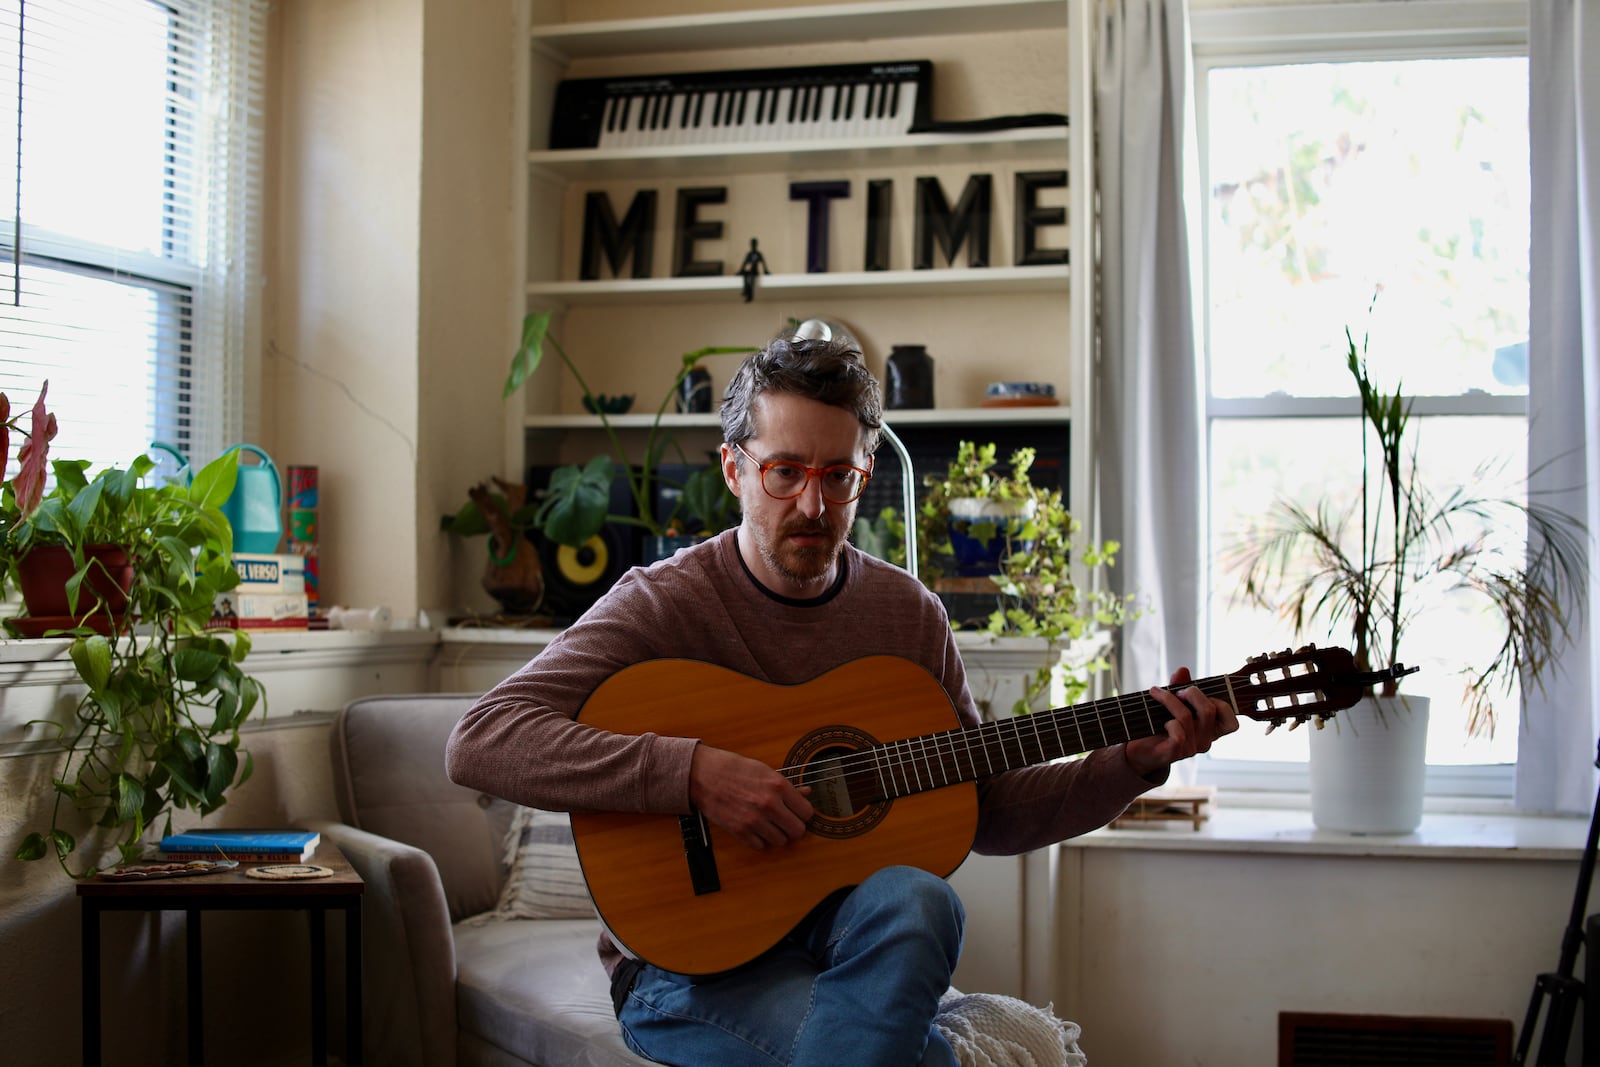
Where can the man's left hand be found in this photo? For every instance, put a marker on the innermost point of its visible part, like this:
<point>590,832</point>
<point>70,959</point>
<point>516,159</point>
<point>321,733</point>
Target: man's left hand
<point>1197,721</point>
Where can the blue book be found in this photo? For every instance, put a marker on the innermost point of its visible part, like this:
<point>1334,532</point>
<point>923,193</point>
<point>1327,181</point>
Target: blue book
<point>297,844</point>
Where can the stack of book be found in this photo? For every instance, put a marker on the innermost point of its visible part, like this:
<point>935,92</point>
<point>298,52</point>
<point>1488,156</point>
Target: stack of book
<point>246,846</point>
<point>271,594</point>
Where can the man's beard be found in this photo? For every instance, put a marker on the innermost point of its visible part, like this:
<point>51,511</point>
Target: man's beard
<point>803,564</point>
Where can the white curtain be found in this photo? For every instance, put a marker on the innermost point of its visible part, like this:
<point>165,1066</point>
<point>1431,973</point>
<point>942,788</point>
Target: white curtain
<point>1556,750</point>
<point>1149,438</point>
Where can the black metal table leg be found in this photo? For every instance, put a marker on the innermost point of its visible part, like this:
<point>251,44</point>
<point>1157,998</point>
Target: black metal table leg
<point>197,1028</point>
<point>90,913</point>
<point>352,982</point>
<point>319,986</point>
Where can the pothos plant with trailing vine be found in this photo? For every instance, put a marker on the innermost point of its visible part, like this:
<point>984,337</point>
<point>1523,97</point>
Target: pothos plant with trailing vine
<point>1043,561</point>
<point>157,725</point>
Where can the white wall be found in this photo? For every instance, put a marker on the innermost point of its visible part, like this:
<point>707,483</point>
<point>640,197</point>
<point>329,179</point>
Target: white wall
<point>391,295</point>
<point>1173,955</point>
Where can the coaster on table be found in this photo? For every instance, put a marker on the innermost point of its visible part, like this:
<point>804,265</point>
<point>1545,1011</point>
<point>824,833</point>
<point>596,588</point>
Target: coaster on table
<point>288,871</point>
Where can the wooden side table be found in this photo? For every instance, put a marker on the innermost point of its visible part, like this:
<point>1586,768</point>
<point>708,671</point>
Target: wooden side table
<point>234,891</point>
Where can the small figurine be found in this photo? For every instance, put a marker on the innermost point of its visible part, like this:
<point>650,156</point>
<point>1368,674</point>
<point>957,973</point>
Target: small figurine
<point>754,263</point>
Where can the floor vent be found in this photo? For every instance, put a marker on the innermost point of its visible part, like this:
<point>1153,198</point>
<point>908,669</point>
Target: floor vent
<point>1318,1040</point>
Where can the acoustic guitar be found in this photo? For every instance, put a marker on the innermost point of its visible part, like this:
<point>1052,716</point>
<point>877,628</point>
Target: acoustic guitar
<point>892,775</point>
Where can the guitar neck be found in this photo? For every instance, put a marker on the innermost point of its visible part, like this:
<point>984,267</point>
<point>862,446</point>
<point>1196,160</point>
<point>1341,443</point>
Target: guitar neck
<point>932,761</point>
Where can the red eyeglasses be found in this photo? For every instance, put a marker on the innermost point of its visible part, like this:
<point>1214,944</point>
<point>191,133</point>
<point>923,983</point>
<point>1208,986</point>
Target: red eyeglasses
<point>784,479</point>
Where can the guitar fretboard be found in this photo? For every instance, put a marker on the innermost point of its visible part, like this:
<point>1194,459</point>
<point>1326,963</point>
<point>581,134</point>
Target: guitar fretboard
<point>932,761</point>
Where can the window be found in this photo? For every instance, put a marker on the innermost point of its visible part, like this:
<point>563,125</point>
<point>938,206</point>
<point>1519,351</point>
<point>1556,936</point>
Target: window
<point>133,132</point>
<point>1368,170</point>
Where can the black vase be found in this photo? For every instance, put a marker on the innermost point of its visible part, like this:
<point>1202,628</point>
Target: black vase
<point>694,392</point>
<point>910,374</point>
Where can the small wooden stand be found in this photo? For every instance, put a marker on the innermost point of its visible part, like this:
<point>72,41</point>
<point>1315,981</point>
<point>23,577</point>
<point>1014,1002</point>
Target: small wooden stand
<point>1169,804</point>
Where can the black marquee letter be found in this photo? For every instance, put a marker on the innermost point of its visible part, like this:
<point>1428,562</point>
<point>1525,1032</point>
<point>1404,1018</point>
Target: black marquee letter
<point>688,229</point>
<point>936,220</point>
<point>880,199</point>
<point>818,194</point>
<point>601,233</point>
<point>1030,216</point>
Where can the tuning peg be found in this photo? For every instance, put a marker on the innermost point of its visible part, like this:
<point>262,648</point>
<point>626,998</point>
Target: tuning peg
<point>1274,724</point>
<point>1295,724</point>
<point>1322,724</point>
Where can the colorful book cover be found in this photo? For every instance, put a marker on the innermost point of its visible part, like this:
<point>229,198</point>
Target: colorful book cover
<point>241,605</point>
<point>261,572</point>
<point>240,857</point>
<point>280,842</point>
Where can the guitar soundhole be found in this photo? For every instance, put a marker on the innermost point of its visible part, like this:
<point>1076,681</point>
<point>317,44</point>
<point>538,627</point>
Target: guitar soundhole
<point>842,780</point>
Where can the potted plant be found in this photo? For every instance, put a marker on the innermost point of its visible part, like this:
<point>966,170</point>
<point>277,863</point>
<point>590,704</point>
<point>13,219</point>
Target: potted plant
<point>1035,542</point>
<point>156,727</point>
<point>498,510</point>
<point>1361,570</point>
<point>975,514</point>
<point>577,502</point>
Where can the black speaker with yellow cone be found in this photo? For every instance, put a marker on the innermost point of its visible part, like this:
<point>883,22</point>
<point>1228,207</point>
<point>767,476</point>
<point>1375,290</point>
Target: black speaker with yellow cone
<point>574,578</point>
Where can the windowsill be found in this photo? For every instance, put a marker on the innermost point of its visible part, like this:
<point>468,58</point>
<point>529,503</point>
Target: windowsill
<point>1474,830</point>
<point>47,653</point>
<point>1255,822</point>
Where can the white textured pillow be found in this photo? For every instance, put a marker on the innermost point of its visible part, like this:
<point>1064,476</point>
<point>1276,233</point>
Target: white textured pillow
<point>545,881</point>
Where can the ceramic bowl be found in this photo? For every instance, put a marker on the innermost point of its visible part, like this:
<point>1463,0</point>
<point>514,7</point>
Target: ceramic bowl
<point>1020,391</point>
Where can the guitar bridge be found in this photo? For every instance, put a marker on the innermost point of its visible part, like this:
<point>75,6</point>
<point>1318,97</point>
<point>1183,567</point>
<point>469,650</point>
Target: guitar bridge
<point>697,850</point>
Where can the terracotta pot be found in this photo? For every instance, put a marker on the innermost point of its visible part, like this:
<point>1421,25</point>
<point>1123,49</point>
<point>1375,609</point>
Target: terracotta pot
<point>42,575</point>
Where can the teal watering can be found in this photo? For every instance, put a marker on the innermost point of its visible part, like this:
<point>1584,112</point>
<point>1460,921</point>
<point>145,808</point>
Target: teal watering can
<point>255,508</point>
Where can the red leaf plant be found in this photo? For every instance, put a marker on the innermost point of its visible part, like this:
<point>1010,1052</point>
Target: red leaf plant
<point>28,485</point>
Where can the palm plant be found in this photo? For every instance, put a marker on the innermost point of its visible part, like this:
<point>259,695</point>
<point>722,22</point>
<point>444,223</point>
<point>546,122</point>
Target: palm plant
<point>1369,566</point>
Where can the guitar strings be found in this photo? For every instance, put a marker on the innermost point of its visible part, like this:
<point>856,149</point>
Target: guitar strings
<point>919,752</point>
<point>954,743</point>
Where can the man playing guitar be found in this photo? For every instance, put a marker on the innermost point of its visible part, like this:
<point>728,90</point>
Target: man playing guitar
<point>784,599</point>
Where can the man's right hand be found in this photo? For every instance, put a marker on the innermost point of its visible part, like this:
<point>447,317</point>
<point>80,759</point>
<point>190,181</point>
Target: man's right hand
<point>747,798</point>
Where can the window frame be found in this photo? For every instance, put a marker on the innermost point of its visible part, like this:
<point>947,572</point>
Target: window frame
<point>1322,33</point>
<point>203,272</point>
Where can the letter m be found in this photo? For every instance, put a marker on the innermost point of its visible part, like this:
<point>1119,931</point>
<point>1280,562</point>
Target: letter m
<point>635,236</point>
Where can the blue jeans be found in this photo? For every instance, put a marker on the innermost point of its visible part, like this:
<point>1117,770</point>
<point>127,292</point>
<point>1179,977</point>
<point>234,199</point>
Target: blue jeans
<point>857,982</point>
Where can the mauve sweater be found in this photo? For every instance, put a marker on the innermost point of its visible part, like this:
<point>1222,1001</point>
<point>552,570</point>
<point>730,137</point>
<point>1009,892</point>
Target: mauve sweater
<point>520,741</point>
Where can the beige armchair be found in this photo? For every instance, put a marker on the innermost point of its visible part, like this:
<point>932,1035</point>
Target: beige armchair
<point>440,991</point>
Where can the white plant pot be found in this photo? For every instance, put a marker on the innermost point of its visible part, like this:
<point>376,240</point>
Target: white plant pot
<point>1368,766</point>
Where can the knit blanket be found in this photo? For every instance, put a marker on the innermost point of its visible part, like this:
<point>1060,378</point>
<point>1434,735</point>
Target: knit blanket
<point>991,1030</point>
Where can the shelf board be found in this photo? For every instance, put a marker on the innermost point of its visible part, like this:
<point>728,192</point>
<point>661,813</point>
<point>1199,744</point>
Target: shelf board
<point>993,147</point>
<point>1060,414</point>
<point>815,24</point>
<point>953,281</point>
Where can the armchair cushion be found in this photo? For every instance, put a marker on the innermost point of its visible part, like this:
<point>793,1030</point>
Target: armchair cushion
<point>536,987</point>
<point>544,879</point>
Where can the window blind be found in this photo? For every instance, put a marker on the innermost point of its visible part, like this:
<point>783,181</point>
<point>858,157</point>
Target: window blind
<point>130,185</point>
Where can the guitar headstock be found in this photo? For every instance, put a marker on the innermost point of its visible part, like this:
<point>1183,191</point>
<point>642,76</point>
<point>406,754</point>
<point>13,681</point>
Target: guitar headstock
<point>1304,684</point>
